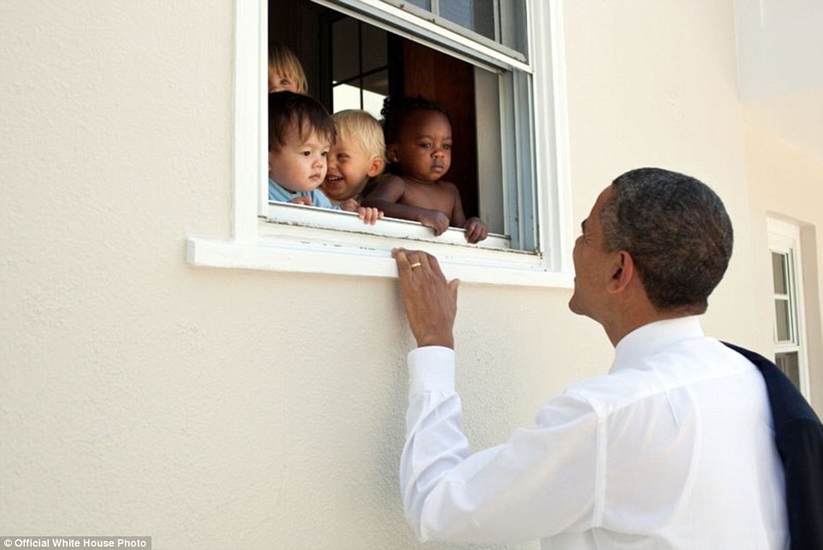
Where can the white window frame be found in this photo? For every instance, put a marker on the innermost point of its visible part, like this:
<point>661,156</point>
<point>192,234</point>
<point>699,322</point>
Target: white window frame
<point>352,248</point>
<point>784,239</point>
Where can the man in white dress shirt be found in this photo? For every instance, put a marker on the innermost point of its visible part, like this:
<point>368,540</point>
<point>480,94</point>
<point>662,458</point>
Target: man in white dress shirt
<point>673,448</point>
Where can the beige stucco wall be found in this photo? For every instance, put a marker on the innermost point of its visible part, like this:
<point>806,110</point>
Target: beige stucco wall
<point>214,408</point>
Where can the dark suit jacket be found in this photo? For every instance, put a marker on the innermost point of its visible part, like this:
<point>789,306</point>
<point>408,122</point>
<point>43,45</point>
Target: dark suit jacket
<point>798,436</point>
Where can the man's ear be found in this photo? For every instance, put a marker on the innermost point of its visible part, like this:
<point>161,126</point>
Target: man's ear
<point>375,167</point>
<point>623,272</point>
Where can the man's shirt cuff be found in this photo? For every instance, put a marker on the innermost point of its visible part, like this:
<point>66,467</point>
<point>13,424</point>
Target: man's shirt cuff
<point>431,368</point>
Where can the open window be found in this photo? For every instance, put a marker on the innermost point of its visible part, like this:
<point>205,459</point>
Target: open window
<point>354,58</point>
<point>495,64</point>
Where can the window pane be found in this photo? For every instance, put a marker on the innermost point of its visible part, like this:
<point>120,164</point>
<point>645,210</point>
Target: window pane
<point>790,365</point>
<point>484,18</point>
<point>779,273</point>
<point>359,66</point>
<point>345,55</point>
<point>512,22</point>
<point>459,11</point>
<point>345,97</point>
<point>475,15</point>
<point>425,4</point>
<point>375,90</point>
<point>375,50</point>
<point>782,320</point>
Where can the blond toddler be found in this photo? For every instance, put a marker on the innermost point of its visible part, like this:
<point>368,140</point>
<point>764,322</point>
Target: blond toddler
<point>355,159</point>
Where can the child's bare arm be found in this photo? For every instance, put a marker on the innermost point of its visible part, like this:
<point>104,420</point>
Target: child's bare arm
<point>458,218</point>
<point>386,195</point>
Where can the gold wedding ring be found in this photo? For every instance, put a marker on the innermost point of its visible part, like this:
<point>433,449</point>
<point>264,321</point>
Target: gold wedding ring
<point>415,264</point>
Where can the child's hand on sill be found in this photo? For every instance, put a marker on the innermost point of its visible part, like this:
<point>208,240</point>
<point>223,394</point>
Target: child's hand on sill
<point>434,219</point>
<point>476,230</point>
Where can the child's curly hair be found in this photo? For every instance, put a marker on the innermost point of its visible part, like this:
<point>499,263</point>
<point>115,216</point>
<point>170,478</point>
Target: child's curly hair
<point>396,109</point>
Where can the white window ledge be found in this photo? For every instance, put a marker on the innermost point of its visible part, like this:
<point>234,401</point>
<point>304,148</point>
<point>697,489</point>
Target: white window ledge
<point>361,250</point>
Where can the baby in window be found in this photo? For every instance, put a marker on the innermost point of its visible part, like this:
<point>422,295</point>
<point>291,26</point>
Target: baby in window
<point>301,132</point>
<point>356,158</point>
<point>419,140</point>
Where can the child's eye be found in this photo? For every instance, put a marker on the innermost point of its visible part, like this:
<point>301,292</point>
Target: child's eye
<point>447,146</point>
<point>285,82</point>
<point>426,145</point>
<point>305,153</point>
<point>324,154</point>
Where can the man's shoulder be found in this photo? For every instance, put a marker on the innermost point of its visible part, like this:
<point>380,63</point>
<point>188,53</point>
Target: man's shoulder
<point>609,391</point>
<point>676,366</point>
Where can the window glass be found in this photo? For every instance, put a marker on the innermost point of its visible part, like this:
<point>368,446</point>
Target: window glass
<point>375,89</point>
<point>475,15</point>
<point>790,365</point>
<point>359,66</point>
<point>345,52</point>
<point>512,21</point>
<point>374,48</point>
<point>779,273</point>
<point>425,4</point>
<point>782,320</point>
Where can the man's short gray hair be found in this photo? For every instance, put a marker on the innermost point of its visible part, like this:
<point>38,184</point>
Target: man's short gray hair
<point>677,232</point>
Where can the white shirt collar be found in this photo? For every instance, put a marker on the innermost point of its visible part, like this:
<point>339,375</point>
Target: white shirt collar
<point>649,339</point>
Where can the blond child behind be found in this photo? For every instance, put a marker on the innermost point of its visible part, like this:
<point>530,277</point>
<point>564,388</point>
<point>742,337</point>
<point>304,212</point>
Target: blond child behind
<point>285,70</point>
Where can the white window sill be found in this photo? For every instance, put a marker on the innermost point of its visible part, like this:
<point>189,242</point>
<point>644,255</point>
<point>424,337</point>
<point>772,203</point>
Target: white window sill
<point>339,243</point>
